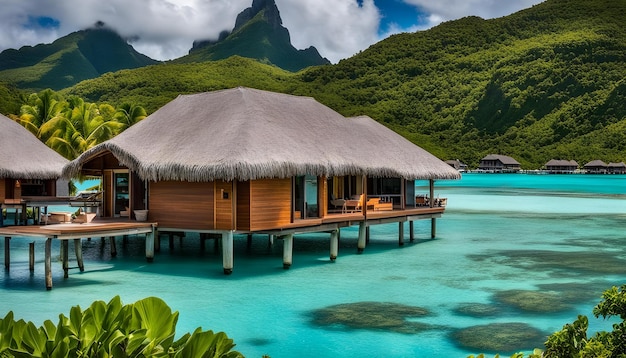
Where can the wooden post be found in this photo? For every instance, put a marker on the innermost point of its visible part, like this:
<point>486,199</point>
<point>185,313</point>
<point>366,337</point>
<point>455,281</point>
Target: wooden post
<point>150,245</point>
<point>227,252</point>
<point>31,256</point>
<point>157,240</point>
<point>367,235</point>
<point>401,233</point>
<point>7,252</point>
<point>65,257</point>
<point>48,263</point>
<point>411,231</point>
<point>249,241</point>
<point>287,250</point>
<point>270,239</point>
<point>113,247</point>
<point>334,245</point>
<point>433,228</point>
<point>78,249</point>
<point>361,241</point>
<point>433,225</point>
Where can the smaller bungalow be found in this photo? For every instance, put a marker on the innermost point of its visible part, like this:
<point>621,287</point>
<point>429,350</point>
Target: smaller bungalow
<point>596,167</point>
<point>496,163</point>
<point>28,168</point>
<point>457,164</point>
<point>558,166</point>
<point>616,168</point>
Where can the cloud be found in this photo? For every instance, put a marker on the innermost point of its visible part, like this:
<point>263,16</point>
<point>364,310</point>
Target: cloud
<point>166,29</point>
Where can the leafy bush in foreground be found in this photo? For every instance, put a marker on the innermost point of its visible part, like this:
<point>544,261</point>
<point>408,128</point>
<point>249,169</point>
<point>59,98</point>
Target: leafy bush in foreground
<point>145,328</point>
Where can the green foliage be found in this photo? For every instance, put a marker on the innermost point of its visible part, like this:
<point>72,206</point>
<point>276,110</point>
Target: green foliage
<point>144,329</point>
<point>72,126</point>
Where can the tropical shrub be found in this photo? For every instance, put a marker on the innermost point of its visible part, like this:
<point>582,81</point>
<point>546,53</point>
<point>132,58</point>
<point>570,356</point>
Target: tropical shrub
<point>145,328</point>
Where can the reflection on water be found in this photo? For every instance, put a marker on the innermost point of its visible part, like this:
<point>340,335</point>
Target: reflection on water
<point>516,257</point>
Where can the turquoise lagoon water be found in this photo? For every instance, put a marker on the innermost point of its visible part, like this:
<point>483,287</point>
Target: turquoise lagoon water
<point>505,243</point>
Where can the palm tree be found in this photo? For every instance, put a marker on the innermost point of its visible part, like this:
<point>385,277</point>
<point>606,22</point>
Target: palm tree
<point>72,132</point>
<point>40,108</point>
<point>128,114</point>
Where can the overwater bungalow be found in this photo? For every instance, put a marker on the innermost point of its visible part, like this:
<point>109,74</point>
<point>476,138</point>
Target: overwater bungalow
<point>559,166</point>
<point>255,162</point>
<point>496,163</point>
<point>616,168</point>
<point>457,164</point>
<point>595,167</point>
<point>29,171</point>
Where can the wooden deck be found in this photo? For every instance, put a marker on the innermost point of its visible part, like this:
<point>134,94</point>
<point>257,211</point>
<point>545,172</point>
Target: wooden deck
<point>75,232</point>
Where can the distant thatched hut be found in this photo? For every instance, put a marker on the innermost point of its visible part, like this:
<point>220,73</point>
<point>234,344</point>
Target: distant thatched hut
<point>596,167</point>
<point>497,163</point>
<point>616,168</point>
<point>247,160</point>
<point>28,168</point>
<point>558,166</point>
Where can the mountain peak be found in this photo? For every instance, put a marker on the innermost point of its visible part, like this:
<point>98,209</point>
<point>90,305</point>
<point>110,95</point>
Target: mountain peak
<point>272,15</point>
<point>258,34</point>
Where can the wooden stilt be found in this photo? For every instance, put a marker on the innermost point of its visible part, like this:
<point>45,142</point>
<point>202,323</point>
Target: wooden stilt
<point>401,233</point>
<point>31,256</point>
<point>113,247</point>
<point>433,228</point>
<point>249,241</point>
<point>171,238</point>
<point>227,252</point>
<point>7,252</point>
<point>334,245</point>
<point>150,246</point>
<point>78,250</point>
<point>411,231</point>
<point>48,263</point>
<point>367,235</point>
<point>65,257</point>
<point>270,239</point>
<point>287,251</point>
<point>203,238</point>
<point>157,240</point>
<point>361,241</point>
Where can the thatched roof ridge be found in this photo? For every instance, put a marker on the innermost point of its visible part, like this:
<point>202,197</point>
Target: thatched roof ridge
<point>596,163</point>
<point>505,159</point>
<point>245,134</point>
<point>24,156</point>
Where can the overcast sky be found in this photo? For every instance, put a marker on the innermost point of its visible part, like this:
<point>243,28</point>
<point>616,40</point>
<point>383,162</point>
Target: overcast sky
<point>166,29</point>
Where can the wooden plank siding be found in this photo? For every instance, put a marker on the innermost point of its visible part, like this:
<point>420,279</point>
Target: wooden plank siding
<point>3,190</point>
<point>243,206</point>
<point>224,205</point>
<point>183,205</point>
<point>270,203</point>
<point>107,185</point>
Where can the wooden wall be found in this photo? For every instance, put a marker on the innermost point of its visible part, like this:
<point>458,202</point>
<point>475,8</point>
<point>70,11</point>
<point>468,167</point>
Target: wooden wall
<point>3,190</point>
<point>183,205</point>
<point>269,204</point>
<point>224,194</point>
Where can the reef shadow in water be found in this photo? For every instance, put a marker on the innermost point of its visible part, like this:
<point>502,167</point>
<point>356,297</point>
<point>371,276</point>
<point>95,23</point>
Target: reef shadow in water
<point>378,316</point>
<point>499,337</point>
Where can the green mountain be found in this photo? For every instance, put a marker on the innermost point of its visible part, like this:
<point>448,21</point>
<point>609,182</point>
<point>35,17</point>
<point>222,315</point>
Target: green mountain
<point>546,82</point>
<point>258,34</point>
<point>78,56</point>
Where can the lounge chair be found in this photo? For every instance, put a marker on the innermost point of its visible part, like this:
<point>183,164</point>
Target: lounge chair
<point>338,203</point>
<point>353,205</point>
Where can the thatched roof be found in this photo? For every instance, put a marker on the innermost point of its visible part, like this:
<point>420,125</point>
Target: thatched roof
<point>24,156</point>
<point>245,134</point>
<point>596,163</point>
<point>504,159</point>
<point>561,163</point>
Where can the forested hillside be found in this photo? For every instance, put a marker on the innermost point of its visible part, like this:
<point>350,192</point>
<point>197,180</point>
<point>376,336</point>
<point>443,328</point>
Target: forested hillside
<point>546,82</point>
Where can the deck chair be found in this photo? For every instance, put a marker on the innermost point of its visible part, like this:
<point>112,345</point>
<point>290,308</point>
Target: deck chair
<point>355,205</point>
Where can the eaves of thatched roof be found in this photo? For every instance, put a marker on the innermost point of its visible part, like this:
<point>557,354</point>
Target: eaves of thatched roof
<point>504,159</point>
<point>246,134</point>
<point>24,156</point>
